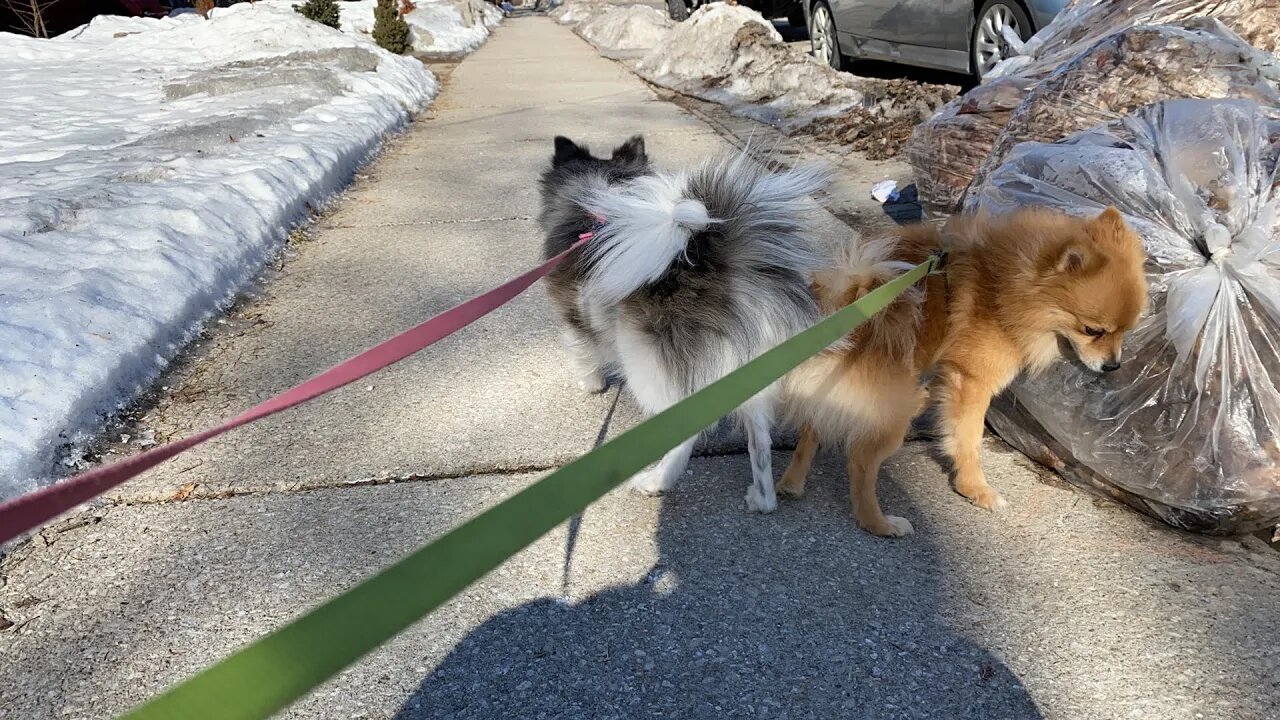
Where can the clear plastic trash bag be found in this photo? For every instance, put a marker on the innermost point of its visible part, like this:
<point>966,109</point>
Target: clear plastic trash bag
<point>1188,429</point>
<point>1135,67</point>
<point>947,149</point>
<point>1083,22</point>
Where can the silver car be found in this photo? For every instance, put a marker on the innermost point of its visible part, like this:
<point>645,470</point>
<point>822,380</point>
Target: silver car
<point>966,36</point>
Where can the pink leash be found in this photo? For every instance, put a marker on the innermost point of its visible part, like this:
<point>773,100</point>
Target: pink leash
<point>32,510</point>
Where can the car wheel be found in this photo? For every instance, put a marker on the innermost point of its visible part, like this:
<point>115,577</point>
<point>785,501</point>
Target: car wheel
<point>822,36</point>
<point>677,10</point>
<point>987,45</point>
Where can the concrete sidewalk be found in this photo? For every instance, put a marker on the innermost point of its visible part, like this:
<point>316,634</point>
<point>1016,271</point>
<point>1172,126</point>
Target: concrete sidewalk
<point>1064,607</point>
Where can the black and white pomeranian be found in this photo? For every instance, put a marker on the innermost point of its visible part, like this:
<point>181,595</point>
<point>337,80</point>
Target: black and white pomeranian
<point>686,276</point>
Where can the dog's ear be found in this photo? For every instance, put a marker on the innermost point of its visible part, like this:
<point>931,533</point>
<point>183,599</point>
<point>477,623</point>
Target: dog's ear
<point>631,151</point>
<point>1071,258</point>
<point>567,150</point>
<point>1111,222</point>
<point>1109,227</point>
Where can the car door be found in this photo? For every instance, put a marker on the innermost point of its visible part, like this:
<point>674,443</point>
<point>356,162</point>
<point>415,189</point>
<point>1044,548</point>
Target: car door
<point>860,18</point>
<point>923,23</point>
<point>891,29</point>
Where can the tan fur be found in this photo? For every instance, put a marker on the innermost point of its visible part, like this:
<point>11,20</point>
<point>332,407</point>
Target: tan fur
<point>1012,287</point>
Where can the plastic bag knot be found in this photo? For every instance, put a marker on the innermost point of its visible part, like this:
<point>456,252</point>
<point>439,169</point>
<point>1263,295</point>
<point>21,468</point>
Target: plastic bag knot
<point>1218,240</point>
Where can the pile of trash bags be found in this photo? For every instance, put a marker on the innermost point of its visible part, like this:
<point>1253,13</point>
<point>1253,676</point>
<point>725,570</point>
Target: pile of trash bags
<point>1188,429</point>
<point>1098,60</point>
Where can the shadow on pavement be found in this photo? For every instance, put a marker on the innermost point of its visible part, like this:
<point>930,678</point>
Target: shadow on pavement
<point>797,615</point>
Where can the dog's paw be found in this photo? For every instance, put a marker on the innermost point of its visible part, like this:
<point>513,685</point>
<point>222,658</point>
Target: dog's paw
<point>759,502</point>
<point>988,499</point>
<point>648,482</point>
<point>893,526</point>
<point>593,384</point>
<point>791,487</point>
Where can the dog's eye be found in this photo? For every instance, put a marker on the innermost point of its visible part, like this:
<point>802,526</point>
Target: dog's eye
<point>1094,332</point>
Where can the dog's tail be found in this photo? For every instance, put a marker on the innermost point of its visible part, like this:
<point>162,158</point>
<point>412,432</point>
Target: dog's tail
<point>860,267</point>
<point>642,227</point>
<point>754,217</point>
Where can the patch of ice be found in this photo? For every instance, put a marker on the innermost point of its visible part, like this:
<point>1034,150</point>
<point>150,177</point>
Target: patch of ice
<point>148,168</point>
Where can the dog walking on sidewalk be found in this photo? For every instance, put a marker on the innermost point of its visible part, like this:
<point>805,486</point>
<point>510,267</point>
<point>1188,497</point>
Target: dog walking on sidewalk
<point>1014,289</point>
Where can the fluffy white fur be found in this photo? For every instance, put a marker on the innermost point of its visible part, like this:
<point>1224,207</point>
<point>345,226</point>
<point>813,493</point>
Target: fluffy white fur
<point>648,223</point>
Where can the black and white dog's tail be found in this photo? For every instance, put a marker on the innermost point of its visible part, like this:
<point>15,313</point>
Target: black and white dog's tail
<point>648,223</point>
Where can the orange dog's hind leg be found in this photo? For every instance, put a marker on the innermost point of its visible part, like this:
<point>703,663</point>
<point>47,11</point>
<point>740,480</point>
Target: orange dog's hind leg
<point>793,480</point>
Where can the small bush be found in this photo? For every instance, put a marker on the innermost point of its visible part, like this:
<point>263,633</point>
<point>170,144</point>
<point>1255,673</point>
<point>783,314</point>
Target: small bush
<point>390,30</point>
<point>324,12</point>
<point>204,7</point>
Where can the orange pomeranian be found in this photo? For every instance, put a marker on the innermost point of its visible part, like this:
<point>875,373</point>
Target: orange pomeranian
<point>1013,287</point>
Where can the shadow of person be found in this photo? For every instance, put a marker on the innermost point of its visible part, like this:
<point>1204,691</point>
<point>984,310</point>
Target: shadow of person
<point>794,615</point>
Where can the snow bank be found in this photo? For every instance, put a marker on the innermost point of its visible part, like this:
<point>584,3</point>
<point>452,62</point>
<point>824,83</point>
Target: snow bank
<point>147,170</point>
<point>579,11</point>
<point>627,29</point>
<point>731,55</point>
<point>435,27</point>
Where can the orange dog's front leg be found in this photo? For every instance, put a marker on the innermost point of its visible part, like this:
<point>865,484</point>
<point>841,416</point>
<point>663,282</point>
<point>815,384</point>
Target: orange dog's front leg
<point>965,400</point>
<point>866,453</point>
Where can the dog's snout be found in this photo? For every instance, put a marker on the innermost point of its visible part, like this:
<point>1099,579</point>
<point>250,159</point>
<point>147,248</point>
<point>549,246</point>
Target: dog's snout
<point>1111,365</point>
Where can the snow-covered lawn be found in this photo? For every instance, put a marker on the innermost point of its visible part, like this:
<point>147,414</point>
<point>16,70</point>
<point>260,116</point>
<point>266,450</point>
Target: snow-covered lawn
<point>148,168</point>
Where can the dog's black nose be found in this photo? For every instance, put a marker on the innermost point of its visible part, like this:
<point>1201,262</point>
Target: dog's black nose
<point>1111,366</point>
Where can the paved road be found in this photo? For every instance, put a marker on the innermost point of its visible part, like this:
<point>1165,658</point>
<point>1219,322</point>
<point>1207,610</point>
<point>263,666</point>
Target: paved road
<point>1063,607</point>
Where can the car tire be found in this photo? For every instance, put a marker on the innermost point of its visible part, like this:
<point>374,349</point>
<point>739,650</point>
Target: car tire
<point>987,46</point>
<point>677,10</point>
<point>822,36</point>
